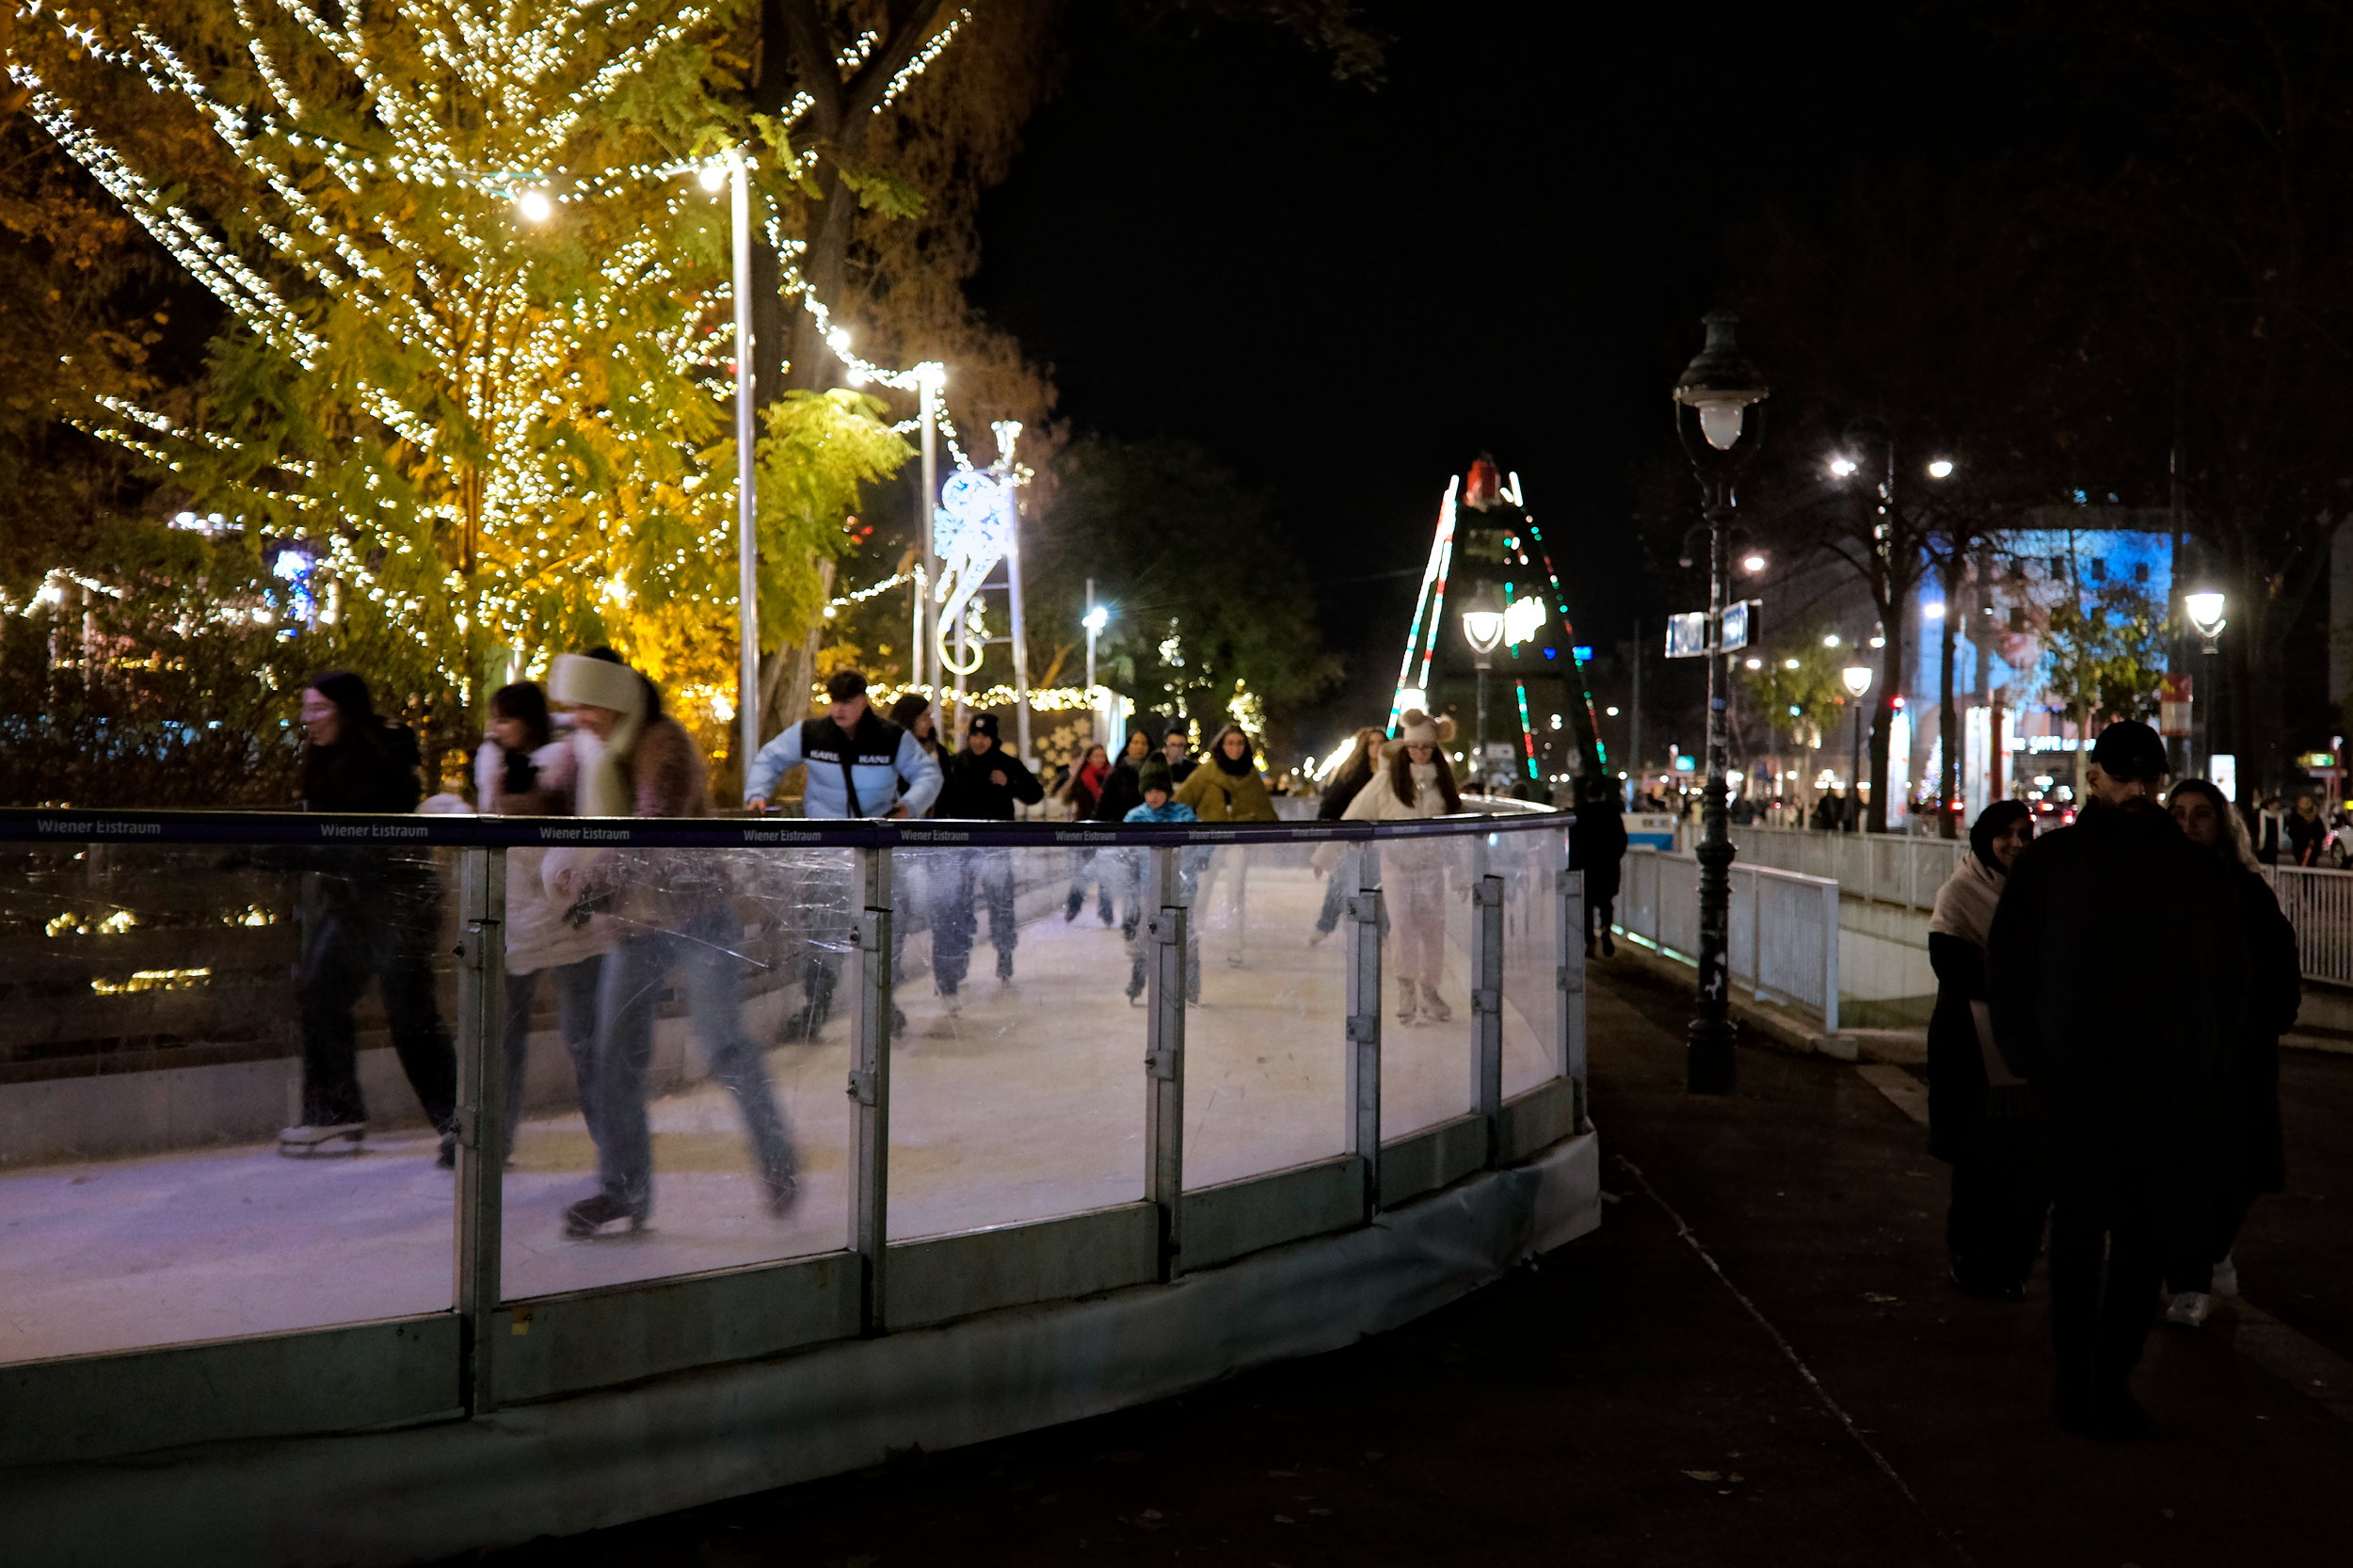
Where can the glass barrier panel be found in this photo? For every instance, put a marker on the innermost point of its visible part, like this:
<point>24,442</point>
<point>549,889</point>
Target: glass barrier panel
<point>679,1024</point>
<point>1428,971</point>
<point>1017,1079</point>
<point>223,1073</point>
<point>1527,862</point>
<point>1266,1046</point>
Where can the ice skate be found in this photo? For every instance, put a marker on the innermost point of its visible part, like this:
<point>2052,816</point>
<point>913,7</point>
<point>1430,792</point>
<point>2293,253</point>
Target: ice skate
<point>1004,967</point>
<point>952,1003</point>
<point>783,1194</point>
<point>1433,1006</point>
<point>602,1215</point>
<point>1408,1001</point>
<point>1070,910</point>
<point>312,1142</point>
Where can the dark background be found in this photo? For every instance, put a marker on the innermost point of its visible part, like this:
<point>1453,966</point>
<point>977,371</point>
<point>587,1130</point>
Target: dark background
<point>1348,294</point>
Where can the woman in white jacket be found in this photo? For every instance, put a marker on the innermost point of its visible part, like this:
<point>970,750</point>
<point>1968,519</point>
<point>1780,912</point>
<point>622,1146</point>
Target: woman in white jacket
<point>523,770</point>
<point>1414,781</point>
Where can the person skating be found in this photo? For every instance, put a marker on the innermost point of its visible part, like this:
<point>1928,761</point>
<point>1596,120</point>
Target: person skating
<point>1082,793</point>
<point>672,910</point>
<point>913,713</point>
<point>1159,807</point>
<point>983,782</point>
<point>1228,788</point>
<point>2241,1149</point>
<point>370,914</point>
<point>1415,782</point>
<point>2115,978</point>
<point>858,764</point>
<point>524,769</point>
<point>1351,777</point>
<point>1982,1120</point>
<point>1597,848</point>
<point>1174,752</point>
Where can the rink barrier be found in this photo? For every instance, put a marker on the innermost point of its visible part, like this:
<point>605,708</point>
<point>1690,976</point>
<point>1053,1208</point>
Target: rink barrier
<point>1783,937</point>
<point>490,1351</point>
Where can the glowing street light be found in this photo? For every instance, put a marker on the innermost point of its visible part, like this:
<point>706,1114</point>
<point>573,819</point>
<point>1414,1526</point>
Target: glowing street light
<point>1482,626</point>
<point>1941,468</point>
<point>1842,468</point>
<point>1831,640</point>
<point>2204,610</point>
<point>535,206</point>
<point>1752,562</point>
<point>1857,678</point>
<point>1097,617</point>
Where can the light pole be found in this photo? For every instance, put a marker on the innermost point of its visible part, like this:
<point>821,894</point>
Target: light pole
<point>1858,680</point>
<point>1482,627</point>
<point>731,172</point>
<point>930,376</point>
<point>1097,617</point>
<point>1713,397</point>
<point>2204,609</point>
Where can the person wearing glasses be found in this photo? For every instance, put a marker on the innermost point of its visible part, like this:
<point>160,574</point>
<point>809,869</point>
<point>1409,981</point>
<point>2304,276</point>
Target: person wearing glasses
<point>1416,781</point>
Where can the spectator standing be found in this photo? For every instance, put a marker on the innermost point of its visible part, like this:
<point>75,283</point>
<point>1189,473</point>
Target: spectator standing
<point>674,910</point>
<point>1982,1119</point>
<point>1228,788</point>
<point>2306,832</point>
<point>985,782</point>
<point>368,914</point>
<point>524,769</point>
<point>2114,979</point>
<point>2242,1154</point>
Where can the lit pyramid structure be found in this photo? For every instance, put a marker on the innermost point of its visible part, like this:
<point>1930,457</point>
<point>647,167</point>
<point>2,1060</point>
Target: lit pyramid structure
<point>1486,535</point>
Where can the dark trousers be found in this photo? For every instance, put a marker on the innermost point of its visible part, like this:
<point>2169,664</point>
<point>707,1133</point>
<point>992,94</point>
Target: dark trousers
<point>386,932</point>
<point>960,884</point>
<point>2001,1195</point>
<point>1600,914</point>
<point>2111,1222</point>
<point>629,993</point>
<point>2207,1233</point>
<point>575,987</point>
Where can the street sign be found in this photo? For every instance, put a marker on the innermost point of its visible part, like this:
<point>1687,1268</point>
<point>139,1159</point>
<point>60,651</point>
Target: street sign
<point>1687,633</point>
<point>2173,705</point>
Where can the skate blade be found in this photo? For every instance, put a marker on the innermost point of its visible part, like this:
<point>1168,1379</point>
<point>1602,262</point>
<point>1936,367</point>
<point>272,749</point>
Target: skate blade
<point>611,1230</point>
<point>334,1148</point>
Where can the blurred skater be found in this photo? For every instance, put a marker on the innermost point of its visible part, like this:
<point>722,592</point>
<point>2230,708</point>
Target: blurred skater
<point>672,910</point>
<point>983,782</point>
<point>1597,848</point>
<point>1415,782</point>
<point>1228,788</point>
<point>370,914</point>
<point>1082,792</point>
<point>1348,780</point>
<point>1160,808</point>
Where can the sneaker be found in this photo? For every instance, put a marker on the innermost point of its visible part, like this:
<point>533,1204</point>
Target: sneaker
<point>602,1215</point>
<point>310,1139</point>
<point>2226,1277</point>
<point>2190,1309</point>
<point>1608,947</point>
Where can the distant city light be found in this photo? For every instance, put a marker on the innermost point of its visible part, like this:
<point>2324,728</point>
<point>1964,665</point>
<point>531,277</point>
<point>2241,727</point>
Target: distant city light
<point>1612,711</point>
<point>714,176</point>
<point>1841,467</point>
<point>535,206</point>
<point>1831,640</point>
<point>1940,469</point>
<point>1752,562</point>
<point>1932,611</point>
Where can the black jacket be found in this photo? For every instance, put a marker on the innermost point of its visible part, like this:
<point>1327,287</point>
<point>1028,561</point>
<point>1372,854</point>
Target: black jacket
<point>1122,793</point>
<point>966,791</point>
<point>364,773</point>
<point>2275,991</point>
<point>1345,786</point>
<point>1597,847</point>
<point>2116,975</point>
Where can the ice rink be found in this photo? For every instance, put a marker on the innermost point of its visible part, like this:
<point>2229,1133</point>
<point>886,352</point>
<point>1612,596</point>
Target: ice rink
<point>1029,1103</point>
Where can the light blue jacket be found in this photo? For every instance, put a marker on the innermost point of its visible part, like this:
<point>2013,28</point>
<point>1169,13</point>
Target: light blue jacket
<point>890,767</point>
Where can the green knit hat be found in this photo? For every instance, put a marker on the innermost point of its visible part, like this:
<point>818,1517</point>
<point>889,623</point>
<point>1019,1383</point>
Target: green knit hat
<point>1155,775</point>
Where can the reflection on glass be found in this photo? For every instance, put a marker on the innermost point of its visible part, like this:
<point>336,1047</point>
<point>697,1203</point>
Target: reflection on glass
<point>163,1003</point>
<point>1266,1049</point>
<point>1527,862</point>
<point>1017,1094</point>
<point>1426,1054</point>
<point>720,1043</point>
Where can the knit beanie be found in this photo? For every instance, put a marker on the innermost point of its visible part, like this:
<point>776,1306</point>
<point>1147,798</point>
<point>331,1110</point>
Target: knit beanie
<point>1156,775</point>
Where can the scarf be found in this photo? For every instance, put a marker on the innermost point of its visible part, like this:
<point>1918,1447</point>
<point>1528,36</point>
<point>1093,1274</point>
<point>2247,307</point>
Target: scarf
<point>605,789</point>
<point>1964,905</point>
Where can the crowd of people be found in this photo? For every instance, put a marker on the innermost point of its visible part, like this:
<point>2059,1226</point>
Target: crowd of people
<point>2103,1061</point>
<point>612,932</point>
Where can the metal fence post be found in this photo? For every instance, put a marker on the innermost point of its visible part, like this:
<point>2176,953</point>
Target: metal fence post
<point>1164,1054</point>
<point>1363,1019</point>
<point>1829,958</point>
<point>870,1086</point>
<point>1487,1009</point>
<point>481,1115</point>
<point>1572,982</point>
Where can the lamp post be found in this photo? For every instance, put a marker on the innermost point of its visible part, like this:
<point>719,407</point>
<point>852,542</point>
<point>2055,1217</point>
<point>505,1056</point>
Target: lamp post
<point>1858,680</point>
<point>2204,609</point>
<point>924,668</point>
<point>1097,617</point>
<point>1712,398</point>
<point>1482,627</point>
<point>730,171</point>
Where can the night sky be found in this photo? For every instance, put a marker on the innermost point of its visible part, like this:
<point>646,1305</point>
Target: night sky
<point>1349,294</point>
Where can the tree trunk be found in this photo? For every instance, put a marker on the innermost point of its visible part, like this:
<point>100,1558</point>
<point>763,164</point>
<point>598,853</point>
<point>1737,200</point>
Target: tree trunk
<point>1948,716</point>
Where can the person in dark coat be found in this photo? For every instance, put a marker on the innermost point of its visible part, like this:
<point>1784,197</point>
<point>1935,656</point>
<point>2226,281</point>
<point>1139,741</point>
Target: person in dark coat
<point>1122,791</point>
<point>2115,978</point>
<point>1351,777</point>
<point>1982,1120</point>
<point>983,781</point>
<point>2243,1142</point>
<point>1597,848</point>
<point>372,913</point>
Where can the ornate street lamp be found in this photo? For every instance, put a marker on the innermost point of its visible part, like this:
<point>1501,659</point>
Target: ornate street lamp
<point>1858,680</point>
<point>1714,402</point>
<point>1482,627</point>
<point>2204,610</point>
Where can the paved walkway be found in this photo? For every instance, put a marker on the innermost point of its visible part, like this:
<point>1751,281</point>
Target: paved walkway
<point>1030,1103</point>
<point>1755,1361</point>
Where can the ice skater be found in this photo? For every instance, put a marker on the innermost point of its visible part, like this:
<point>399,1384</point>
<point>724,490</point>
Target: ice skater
<point>1159,808</point>
<point>983,782</point>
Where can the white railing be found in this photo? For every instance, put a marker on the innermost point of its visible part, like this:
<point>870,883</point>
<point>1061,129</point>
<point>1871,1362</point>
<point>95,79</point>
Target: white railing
<point>1784,933</point>
<point>1889,867</point>
<point>2319,905</point>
